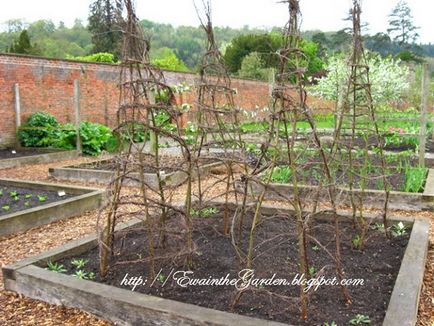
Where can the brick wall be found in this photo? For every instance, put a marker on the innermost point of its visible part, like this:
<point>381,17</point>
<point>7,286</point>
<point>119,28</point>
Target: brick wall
<point>47,85</point>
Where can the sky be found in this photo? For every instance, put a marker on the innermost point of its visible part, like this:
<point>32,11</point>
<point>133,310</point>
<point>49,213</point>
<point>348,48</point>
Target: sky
<point>317,14</point>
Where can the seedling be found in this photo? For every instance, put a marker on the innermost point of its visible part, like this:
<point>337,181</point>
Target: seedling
<point>330,324</point>
<point>13,194</point>
<point>356,241</point>
<point>28,196</point>
<point>79,263</point>
<point>91,275</point>
<point>315,248</point>
<point>398,229</point>
<point>1,192</point>
<point>42,198</point>
<point>56,267</point>
<point>204,212</point>
<point>26,204</point>
<point>312,270</point>
<point>161,278</point>
<point>360,319</point>
<point>81,275</point>
<point>6,207</point>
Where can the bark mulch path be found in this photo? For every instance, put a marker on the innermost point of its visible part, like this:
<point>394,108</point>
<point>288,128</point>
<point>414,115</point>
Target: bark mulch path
<point>18,310</point>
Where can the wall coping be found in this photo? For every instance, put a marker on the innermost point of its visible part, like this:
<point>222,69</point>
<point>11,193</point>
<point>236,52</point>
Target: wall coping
<point>100,65</point>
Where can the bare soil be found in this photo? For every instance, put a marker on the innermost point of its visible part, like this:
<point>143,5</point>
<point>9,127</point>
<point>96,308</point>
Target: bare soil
<point>275,252</point>
<point>15,199</point>
<point>8,153</point>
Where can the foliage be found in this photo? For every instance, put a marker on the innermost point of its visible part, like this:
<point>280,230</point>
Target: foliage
<point>43,130</point>
<point>56,267</point>
<point>398,229</point>
<point>96,57</point>
<point>204,212</point>
<point>167,59</point>
<point>252,67</point>
<point>401,24</point>
<point>415,179</point>
<point>360,319</point>
<point>105,27</point>
<point>388,79</point>
<point>39,126</point>
<point>281,174</point>
<point>266,46</point>
<point>23,45</point>
<point>94,137</point>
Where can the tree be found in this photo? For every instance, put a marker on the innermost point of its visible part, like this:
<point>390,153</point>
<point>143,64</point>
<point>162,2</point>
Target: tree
<point>401,24</point>
<point>23,45</point>
<point>388,78</point>
<point>266,45</point>
<point>104,24</point>
<point>167,59</point>
<point>252,67</point>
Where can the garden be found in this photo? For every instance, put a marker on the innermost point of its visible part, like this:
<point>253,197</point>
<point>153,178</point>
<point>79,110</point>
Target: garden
<point>283,215</point>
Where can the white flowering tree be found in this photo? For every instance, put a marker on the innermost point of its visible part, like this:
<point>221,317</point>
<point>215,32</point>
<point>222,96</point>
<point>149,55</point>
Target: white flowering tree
<point>388,77</point>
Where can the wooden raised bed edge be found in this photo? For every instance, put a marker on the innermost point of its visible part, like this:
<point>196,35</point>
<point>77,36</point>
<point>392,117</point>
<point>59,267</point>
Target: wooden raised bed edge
<point>172,179</point>
<point>56,155</point>
<point>86,199</point>
<point>130,308</point>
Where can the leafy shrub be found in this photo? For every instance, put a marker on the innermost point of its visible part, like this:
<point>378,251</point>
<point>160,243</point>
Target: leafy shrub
<point>94,137</point>
<point>43,130</point>
<point>38,128</point>
<point>96,57</point>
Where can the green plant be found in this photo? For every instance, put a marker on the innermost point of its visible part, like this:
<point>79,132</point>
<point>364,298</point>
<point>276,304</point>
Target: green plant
<point>398,229</point>
<point>312,270</point>
<point>281,174</point>
<point>162,278</point>
<point>13,194</point>
<point>204,212</point>
<point>26,204</point>
<point>315,248</point>
<point>28,196</point>
<point>79,263</point>
<point>94,137</point>
<point>56,267</point>
<point>1,192</point>
<point>81,275</point>
<point>360,319</point>
<point>6,207</point>
<point>356,241</point>
<point>42,198</point>
<point>415,179</point>
<point>330,324</point>
<point>38,127</point>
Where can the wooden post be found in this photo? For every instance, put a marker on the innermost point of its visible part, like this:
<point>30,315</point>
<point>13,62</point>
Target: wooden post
<point>153,135</point>
<point>77,112</point>
<point>17,106</point>
<point>423,114</point>
<point>271,81</point>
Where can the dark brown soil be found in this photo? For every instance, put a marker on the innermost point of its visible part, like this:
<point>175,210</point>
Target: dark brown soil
<point>13,199</point>
<point>275,252</point>
<point>8,153</point>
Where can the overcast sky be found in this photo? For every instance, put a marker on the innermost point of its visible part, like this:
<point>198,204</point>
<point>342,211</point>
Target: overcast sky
<point>325,15</point>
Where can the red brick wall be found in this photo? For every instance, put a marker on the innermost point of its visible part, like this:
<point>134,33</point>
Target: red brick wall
<point>47,85</point>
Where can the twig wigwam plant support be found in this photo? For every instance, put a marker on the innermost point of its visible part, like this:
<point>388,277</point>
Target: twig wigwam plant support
<point>357,114</point>
<point>283,150</point>
<point>143,96</point>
